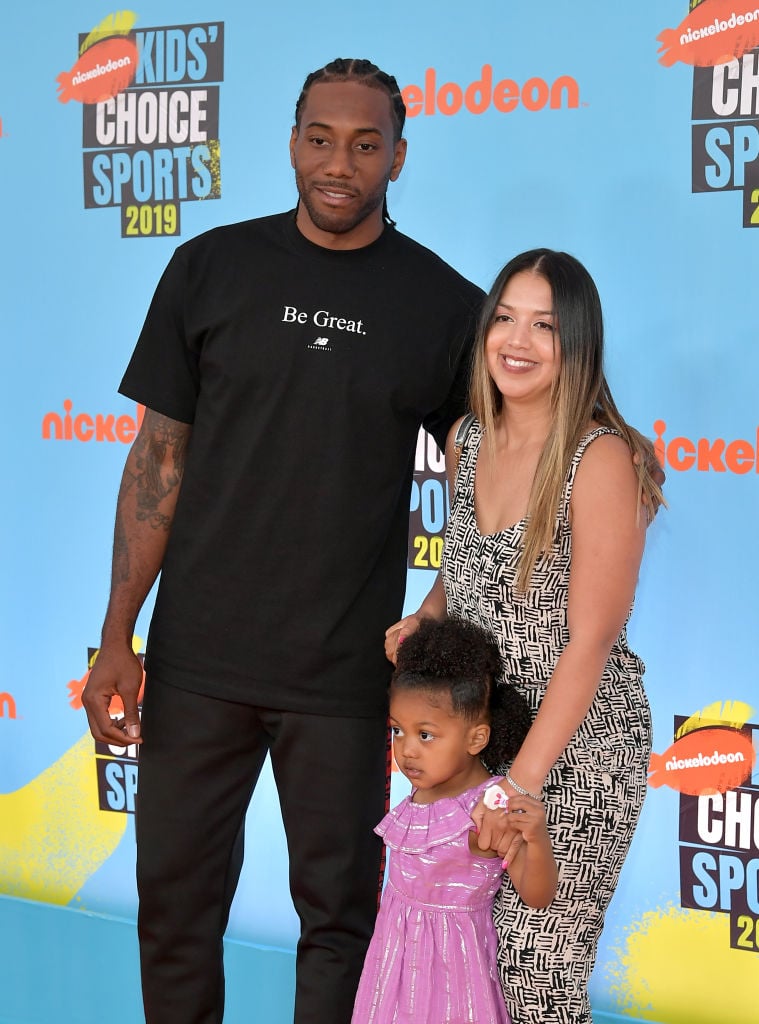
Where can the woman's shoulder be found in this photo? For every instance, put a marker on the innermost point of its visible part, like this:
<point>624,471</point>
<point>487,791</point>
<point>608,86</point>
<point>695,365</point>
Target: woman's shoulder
<point>602,445</point>
<point>464,427</point>
<point>458,432</point>
<point>455,428</point>
<point>603,464</point>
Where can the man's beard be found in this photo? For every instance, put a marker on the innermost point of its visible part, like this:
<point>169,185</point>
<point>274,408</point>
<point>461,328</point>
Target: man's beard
<point>339,222</point>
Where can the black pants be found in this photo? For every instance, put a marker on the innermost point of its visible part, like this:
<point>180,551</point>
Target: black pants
<point>199,765</point>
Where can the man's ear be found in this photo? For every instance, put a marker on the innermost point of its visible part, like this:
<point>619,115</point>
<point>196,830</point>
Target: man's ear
<point>293,137</point>
<point>399,158</point>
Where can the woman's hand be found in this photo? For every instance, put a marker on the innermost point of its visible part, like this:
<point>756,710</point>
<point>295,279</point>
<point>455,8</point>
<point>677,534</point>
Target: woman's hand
<point>432,607</point>
<point>397,633</point>
<point>528,817</point>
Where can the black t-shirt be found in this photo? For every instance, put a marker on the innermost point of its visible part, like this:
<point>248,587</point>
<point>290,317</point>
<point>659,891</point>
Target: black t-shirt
<point>306,373</point>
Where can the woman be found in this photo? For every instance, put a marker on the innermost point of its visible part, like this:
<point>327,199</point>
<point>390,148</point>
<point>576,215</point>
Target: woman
<point>543,547</point>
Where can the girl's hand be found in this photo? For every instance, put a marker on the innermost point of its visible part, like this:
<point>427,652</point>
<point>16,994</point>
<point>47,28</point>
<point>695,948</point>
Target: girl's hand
<point>397,633</point>
<point>532,866</point>
<point>495,829</point>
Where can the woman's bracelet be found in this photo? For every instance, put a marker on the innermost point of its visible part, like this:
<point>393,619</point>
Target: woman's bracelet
<point>520,789</point>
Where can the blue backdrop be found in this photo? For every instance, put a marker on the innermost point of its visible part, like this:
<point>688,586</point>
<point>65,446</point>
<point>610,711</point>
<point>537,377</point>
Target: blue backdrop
<point>548,124</point>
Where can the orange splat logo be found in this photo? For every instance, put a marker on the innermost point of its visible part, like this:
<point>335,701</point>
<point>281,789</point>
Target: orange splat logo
<point>714,32</point>
<point>102,71</point>
<point>711,760</point>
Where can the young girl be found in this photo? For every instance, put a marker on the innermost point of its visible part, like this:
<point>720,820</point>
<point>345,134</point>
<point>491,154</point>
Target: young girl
<point>432,958</point>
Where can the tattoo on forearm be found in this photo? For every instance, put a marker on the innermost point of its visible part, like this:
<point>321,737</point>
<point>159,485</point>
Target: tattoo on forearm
<point>160,452</point>
<point>154,470</point>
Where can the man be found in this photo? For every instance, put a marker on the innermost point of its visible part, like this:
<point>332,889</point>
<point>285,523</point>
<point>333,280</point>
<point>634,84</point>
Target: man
<point>286,365</point>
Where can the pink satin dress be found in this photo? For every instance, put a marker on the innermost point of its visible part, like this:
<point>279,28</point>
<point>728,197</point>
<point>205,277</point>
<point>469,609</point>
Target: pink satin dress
<point>432,959</point>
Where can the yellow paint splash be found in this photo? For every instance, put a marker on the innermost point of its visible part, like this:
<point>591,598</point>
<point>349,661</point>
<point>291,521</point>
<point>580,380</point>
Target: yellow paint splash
<point>731,713</point>
<point>53,835</point>
<point>118,24</point>
<point>214,168</point>
<point>677,966</point>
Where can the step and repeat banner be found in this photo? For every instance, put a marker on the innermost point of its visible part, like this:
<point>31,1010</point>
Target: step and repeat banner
<point>625,134</point>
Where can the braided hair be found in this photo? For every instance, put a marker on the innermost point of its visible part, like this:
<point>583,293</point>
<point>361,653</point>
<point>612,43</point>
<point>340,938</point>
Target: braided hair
<point>461,661</point>
<point>352,69</point>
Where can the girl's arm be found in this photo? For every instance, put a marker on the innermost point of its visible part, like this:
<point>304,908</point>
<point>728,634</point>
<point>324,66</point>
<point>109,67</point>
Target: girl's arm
<point>434,604</point>
<point>608,536</point>
<point>533,869</point>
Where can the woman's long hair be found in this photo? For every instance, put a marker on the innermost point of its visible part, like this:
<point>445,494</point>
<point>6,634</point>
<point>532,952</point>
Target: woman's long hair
<point>580,394</point>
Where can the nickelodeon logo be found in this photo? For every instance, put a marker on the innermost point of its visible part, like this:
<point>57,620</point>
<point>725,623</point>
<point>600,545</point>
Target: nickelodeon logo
<point>86,427</point>
<point>504,95</point>
<point>708,760</point>
<point>704,455</point>
<point>7,706</point>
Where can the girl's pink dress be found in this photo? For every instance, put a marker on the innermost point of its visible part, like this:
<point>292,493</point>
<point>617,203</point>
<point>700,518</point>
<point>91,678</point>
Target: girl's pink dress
<point>432,958</point>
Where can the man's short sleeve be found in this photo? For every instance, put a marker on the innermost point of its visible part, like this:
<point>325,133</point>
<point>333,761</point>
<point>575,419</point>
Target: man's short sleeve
<point>456,404</point>
<point>163,371</point>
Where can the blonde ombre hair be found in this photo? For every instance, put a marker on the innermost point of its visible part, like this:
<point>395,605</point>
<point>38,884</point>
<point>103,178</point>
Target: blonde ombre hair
<point>580,394</point>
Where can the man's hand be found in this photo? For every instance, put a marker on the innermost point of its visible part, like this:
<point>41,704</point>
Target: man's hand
<point>116,672</point>
<point>656,472</point>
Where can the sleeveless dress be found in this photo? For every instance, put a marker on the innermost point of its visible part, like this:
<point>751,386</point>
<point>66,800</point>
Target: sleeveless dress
<point>594,792</point>
<point>432,958</point>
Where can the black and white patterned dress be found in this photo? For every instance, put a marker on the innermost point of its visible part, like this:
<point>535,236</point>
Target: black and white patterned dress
<point>594,792</point>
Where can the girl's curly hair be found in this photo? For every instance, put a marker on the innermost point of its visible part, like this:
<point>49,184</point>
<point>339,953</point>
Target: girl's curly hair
<point>459,660</point>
